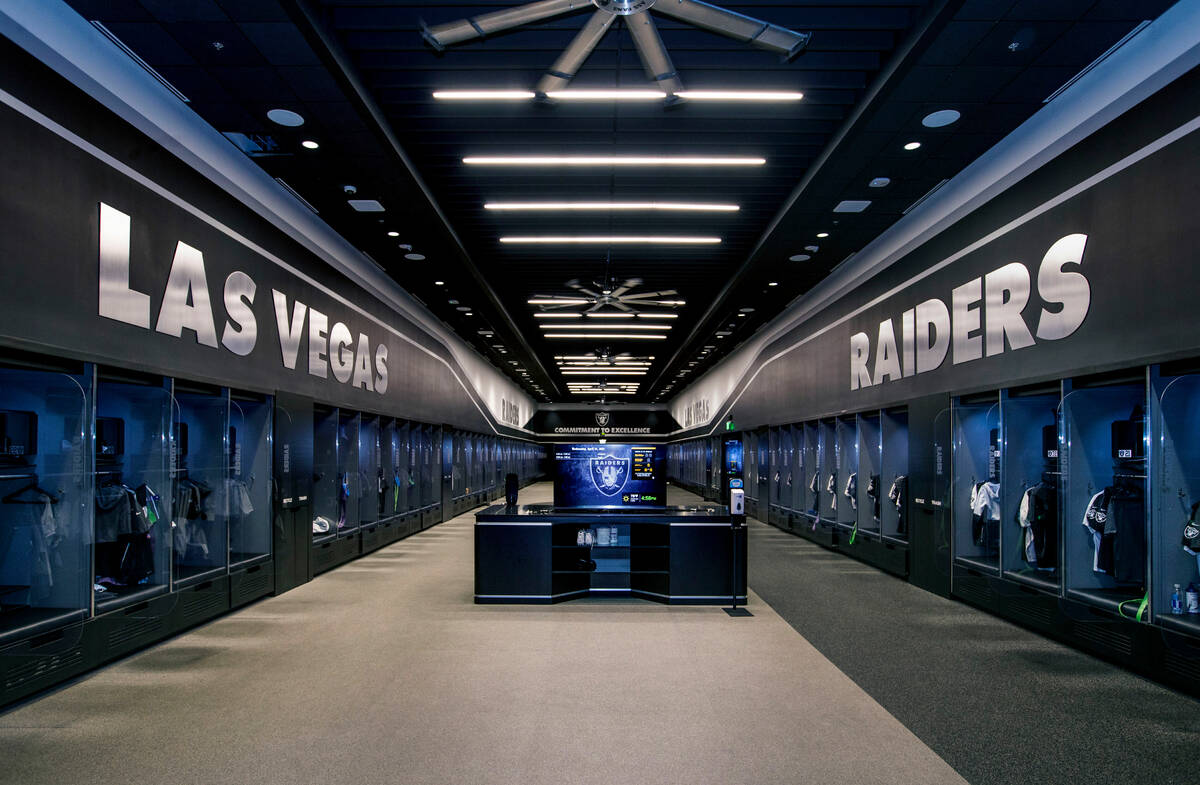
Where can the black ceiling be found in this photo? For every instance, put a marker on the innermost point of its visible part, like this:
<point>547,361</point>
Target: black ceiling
<point>360,74</point>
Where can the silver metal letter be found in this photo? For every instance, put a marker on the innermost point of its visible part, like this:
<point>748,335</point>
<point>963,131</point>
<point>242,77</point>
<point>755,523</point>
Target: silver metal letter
<point>860,353</point>
<point>887,356</point>
<point>117,300</point>
<point>381,378</point>
<point>318,345</point>
<point>241,329</point>
<point>339,339</point>
<point>1006,293</point>
<point>1056,285</point>
<point>965,320</point>
<point>362,363</point>
<point>289,332</point>
<point>931,353</point>
<point>185,301</point>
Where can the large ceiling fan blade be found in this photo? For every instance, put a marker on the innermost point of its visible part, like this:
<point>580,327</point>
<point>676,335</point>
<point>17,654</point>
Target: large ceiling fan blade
<point>650,295</point>
<point>443,35</point>
<point>762,34</point>
<point>573,57</point>
<point>577,286</point>
<point>654,55</point>
<point>631,283</point>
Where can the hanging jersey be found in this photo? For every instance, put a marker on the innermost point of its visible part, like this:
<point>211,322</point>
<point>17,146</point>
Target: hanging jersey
<point>898,495</point>
<point>1191,533</point>
<point>852,490</point>
<point>831,489</point>
<point>985,514</point>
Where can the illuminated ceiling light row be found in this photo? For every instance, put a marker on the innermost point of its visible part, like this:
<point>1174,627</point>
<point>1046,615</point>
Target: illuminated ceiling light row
<point>585,206</point>
<point>631,336</point>
<point>605,327</point>
<point>591,357</point>
<point>610,240</point>
<point>773,96</point>
<point>612,160</point>
<point>605,372</point>
<point>606,315</point>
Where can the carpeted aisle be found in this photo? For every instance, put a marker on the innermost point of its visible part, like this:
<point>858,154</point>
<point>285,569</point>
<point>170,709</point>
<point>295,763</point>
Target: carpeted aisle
<point>384,671</point>
<point>1002,705</point>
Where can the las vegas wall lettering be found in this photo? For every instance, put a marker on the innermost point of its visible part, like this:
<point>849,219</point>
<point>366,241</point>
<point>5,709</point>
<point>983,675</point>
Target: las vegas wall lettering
<point>985,318</point>
<point>187,303</point>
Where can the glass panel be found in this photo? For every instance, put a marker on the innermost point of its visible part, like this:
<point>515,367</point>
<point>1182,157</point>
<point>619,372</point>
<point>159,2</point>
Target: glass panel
<point>1031,527</point>
<point>348,478</point>
<point>870,472</point>
<point>199,520</point>
<point>326,483</point>
<point>977,482</point>
<point>894,508</point>
<point>827,472</point>
<point>46,501</point>
<point>1104,503</point>
<point>133,500</point>
<point>249,479</point>
<point>795,491</point>
<point>371,485</point>
<point>1177,495</point>
<point>811,481</point>
<point>777,473</point>
<point>845,491</point>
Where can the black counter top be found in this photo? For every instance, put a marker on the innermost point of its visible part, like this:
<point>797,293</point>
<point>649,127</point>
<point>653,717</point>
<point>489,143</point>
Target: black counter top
<point>547,514</point>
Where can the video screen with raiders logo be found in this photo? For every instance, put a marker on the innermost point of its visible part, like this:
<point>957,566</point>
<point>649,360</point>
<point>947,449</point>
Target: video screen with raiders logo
<point>607,476</point>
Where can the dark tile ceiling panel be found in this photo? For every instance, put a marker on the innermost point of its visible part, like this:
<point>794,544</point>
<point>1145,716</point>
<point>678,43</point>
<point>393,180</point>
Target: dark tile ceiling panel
<point>361,75</point>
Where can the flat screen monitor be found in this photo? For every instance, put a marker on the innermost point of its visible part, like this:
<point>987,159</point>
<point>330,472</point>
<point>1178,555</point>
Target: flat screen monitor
<point>608,476</point>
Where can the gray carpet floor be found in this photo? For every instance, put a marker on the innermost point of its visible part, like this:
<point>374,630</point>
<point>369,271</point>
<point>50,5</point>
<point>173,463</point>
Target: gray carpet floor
<point>1002,705</point>
<point>384,671</point>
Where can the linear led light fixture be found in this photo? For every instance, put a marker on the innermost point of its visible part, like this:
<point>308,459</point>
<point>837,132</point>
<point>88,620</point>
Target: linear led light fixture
<point>589,336</point>
<point>484,95</point>
<point>611,160</point>
<point>610,315</point>
<point>610,240</point>
<point>556,315</point>
<point>591,357</point>
<point>582,364</point>
<point>740,95</point>
<point>561,301</point>
<point>700,207</point>
<point>658,315</point>
<point>606,95</point>
<point>582,372</point>
<point>605,327</point>
<point>604,392</point>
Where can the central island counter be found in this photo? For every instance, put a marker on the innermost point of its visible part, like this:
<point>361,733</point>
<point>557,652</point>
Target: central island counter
<point>537,553</point>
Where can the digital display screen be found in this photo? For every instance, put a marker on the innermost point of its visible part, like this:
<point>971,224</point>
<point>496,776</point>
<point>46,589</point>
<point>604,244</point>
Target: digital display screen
<point>610,475</point>
<point>733,457</point>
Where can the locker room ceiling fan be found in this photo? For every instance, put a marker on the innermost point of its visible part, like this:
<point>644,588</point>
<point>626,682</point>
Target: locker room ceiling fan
<point>642,29</point>
<point>608,296</point>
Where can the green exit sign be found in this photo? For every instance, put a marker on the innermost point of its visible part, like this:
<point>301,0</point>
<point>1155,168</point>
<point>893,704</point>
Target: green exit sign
<point>729,426</point>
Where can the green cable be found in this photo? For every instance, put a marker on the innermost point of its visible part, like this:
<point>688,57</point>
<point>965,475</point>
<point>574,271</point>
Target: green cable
<point>854,532</point>
<point>1143,603</point>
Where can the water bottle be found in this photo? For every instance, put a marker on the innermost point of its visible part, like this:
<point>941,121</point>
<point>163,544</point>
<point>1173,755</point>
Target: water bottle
<point>1176,603</point>
<point>1193,598</point>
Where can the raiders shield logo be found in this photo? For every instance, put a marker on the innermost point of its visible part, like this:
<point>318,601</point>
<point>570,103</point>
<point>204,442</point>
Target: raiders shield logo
<point>609,474</point>
<point>602,419</point>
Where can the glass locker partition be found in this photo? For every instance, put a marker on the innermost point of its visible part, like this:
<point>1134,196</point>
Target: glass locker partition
<point>249,484</point>
<point>133,500</point>
<point>371,485</point>
<point>349,484</point>
<point>845,492</point>
<point>795,492</point>
<point>786,453</point>
<point>810,483</point>
<point>46,499</point>
<point>870,472</point>
<point>977,484</point>
<point>429,490</point>
<point>1030,524</point>
<point>198,451</point>
<point>827,477</point>
<point>402,476</point>
<point>894,508</point>
<point>1104,503</point>
<point>1176,553</point>
<point>326,483</point>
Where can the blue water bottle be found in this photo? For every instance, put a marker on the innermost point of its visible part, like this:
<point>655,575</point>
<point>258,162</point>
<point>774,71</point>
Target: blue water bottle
<point>1176,602</point>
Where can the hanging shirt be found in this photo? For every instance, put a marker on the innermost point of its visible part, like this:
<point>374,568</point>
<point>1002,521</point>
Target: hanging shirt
<point>898,495</point>
<point>985,513</point>
<point>851,490</point>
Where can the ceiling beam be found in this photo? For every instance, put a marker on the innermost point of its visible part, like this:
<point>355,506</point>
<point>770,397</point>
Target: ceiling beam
<point>338,62</point>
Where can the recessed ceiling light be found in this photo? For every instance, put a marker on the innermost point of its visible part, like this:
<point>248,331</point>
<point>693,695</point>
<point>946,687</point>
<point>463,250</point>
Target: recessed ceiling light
<point>880,182</point>
<point>912,145</point>
<point>611,160</point>
<point>365,205</point>
<point>812,248</point>
<point>740,95</point>
<point>439,283</point>
<point>940,118</point>
<point>309,144</point>
<point>741,316</point>
<point>483,95</point>
<point>769,283</point>
<point>822,235</point>
<point>414,257</point>
<point>606,95</point>
<point>747,309</point>
<point>614,240</point>
<point>464,308</point>
<point>800,257</point>
<point>852,206</point>
<point>453,302</point>
<point>285,117</point>
<point>393,234</point>
<point>468,313</point>
<point>612,206</point>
